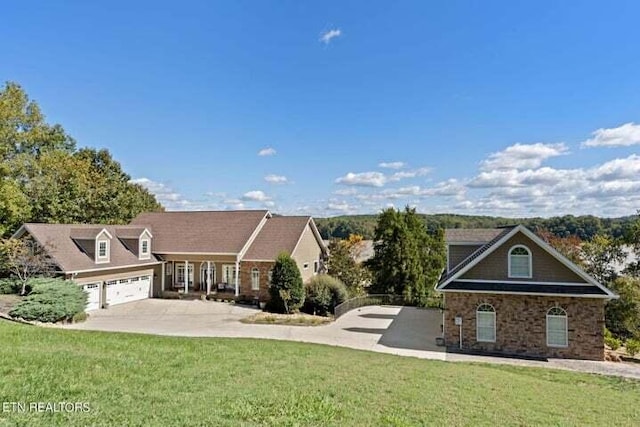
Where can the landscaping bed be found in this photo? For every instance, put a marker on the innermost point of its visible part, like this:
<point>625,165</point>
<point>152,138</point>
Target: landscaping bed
<point>8,301</point>
<point>298,319</point>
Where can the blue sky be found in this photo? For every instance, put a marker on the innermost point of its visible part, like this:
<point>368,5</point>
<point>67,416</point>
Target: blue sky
<point>508,108</point>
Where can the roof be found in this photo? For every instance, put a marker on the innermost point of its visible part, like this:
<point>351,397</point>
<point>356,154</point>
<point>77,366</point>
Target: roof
<point>526,288</point>
<point>471,235</point>
<point>210,232</point>
<point>482,249</point>
<point>447,280</point>
<point>60,243</point>
<point>280,233</point>
<point>130,232</point>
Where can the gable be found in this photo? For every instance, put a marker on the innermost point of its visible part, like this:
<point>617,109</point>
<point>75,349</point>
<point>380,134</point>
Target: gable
<point>545,267</point>
<point>458,253</point>
<point>308,248</point>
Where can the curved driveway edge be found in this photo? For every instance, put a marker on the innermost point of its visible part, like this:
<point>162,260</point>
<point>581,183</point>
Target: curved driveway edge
<point>404,331</point>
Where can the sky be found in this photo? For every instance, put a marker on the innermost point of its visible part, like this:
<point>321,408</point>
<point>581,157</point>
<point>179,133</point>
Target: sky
<point>506,108</point>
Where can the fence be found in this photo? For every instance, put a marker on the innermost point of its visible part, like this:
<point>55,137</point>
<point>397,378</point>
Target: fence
<point>378,299</point>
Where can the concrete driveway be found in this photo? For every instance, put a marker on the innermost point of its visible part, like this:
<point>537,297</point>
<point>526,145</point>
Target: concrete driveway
<point>398,330</point>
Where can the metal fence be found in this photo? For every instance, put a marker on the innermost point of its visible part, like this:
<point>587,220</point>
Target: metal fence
<point>378,299</point>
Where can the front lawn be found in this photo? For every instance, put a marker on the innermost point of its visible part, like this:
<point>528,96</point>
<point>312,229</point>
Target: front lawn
<point>130,379</point>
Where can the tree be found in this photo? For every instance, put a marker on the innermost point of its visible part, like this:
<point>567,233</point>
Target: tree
<point>622,316</point>
<point>343,263</point>
<point>408,260</point>
<point>568,246</point>
<point>633,239</point>
<point>286,288</point>
<point>601,257</point>
<point>25,259</point>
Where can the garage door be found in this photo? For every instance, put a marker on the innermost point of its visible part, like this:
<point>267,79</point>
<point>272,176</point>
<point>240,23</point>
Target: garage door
<point>93,301</point>
<point>128,289</point>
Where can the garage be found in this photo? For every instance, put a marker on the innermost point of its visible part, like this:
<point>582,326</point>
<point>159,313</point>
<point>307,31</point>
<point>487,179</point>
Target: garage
<point>127,289</point>
<point>93,301</point>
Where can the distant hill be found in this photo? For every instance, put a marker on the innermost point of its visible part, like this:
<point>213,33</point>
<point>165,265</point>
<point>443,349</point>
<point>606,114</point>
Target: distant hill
<point>585,226</point>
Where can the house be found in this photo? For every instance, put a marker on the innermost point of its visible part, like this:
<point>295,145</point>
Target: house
<point>227,253</point>
<point>507,291</point>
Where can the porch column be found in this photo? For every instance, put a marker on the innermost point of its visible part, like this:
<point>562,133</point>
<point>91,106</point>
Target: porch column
<point>164,275</point>
<point>237,273</point>
<point>186,277</point>
<point>208,277</point>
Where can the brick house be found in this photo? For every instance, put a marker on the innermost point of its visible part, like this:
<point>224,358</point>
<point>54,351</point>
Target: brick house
<point>226,253</point>
<point>507,291</point>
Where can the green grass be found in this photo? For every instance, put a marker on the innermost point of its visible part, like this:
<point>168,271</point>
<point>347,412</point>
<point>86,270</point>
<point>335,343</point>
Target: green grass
<point>134,380</point>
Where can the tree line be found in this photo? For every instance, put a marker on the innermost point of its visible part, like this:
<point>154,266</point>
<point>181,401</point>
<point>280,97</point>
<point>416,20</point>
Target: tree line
<point>45,178</point>
<point>584,227</point>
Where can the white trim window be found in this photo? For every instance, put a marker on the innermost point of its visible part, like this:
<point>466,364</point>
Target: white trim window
<point>316,267</point>
<point>520,262</point>
<point>229,274</point>
<point>102,251</point>
<point>180,274</point>
<point>269,276</point>
<point>485,323</point>
<point>255,279</point>
<point>144,250</point>
<point>557,327</point>
<point>203,273</point>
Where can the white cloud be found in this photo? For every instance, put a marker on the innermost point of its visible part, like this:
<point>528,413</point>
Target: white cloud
<point>346,192</point>
<point>622,136</point>
<point>364,179</point>
<point>327,36</point>
<point>523,156</point>
<point>255,196</point>
<point>267,152</point>
<point>276,179</point>
<point>169,198</point>
<point>409,174</point>
<point>392,165</point>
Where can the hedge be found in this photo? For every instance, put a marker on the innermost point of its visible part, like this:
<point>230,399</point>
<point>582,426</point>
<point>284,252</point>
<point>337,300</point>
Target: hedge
<point>324,292</point>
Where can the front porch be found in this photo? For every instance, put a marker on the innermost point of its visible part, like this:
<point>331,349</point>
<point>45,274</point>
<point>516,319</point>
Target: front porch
<point>215,275</point>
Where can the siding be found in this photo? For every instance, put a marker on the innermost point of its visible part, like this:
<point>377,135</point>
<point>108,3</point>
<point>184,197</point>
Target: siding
<point>307,251</point>
<point>545,267</point>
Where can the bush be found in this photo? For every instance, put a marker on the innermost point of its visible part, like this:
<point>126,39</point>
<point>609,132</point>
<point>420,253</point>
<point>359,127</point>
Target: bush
<point>9,286</point>
<point>286,288</point>
<point>51,300</point>
<point>633,346</point>
<point>79,317</point>
<point>613,342</point>
<point>324,292</point>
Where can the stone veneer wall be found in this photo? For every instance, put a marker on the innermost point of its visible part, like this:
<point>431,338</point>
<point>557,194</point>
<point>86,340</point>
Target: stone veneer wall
<point>521,324</point>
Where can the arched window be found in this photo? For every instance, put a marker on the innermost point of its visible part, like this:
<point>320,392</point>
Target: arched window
<point>486,323</point>
<point>520,262</point>
<point>557,327</point>
<point>255,279</point>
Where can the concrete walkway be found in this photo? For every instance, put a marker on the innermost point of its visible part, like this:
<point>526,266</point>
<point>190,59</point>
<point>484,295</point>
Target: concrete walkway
<point>403,331</point>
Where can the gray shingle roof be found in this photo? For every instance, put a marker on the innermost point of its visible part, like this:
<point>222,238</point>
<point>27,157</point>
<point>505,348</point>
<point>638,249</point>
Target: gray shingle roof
<point>200,232</point>
<point>471,235</point>
<point>63,243</point>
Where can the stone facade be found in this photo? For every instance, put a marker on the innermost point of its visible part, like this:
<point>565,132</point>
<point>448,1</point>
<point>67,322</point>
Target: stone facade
<point>521,325</point>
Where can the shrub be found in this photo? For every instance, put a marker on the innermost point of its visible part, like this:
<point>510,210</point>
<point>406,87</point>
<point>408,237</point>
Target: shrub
<point>51,300</point>
<point>79,317</point>
<point>9,286</point>
<point>633,346</point>
<point>286,288</point>
<point>613,342</point>
<point>324,292</point>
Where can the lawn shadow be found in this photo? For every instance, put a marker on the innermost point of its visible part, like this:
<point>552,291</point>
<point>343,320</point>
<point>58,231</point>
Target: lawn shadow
<point>414,329</point>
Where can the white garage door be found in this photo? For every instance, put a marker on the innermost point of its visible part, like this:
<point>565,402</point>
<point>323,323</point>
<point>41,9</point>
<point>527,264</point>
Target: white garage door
<point>127,290</point>
<point>93,301</point>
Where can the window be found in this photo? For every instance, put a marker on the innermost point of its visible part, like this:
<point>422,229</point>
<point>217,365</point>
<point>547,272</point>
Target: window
<point>169,268</point>
<point>316,265</point>
<point>270,275</point>
<point>144,249</point>
<point>520,262</point>
<point>255,279</point>
<point>557,330</point>
<point>180,274</point>
<point>103,251</point>
<point>229,274</point>
<point>203,274</point>
<point>135,279</point>
<point>485,323</point>
<point>123,281</point>
<point>305,265</point>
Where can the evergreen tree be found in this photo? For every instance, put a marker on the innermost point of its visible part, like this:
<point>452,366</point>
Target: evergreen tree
<point>408,260</point>
<point>286,288</point>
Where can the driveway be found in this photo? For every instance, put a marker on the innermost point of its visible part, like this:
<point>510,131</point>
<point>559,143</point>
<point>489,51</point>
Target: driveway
<point>404,331</point>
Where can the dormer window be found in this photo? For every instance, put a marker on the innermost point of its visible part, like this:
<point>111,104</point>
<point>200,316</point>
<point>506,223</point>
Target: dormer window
<point>145,252</point>
<point>102,254</point>
<point>520,262</point>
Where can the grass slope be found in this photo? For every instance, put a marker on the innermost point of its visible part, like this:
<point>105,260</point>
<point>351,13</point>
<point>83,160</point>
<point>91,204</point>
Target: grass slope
<point>133,380</point>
